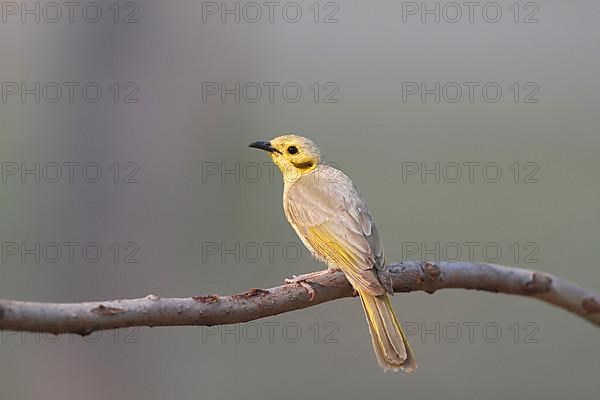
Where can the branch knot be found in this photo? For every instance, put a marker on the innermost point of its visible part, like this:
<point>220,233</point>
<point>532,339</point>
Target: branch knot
<point>590,305</point>
<point>432,270</point>
<point>539,283</point>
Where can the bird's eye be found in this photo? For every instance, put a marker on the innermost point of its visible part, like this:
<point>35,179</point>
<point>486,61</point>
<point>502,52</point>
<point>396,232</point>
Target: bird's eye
<point>292,150</point>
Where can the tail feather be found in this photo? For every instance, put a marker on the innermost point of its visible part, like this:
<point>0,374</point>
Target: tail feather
<point>389,341</point>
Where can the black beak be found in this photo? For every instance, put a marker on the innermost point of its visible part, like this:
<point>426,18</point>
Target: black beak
<point>266,146</point>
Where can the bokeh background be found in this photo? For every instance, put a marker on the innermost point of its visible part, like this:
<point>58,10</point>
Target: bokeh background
<point>182,205</point>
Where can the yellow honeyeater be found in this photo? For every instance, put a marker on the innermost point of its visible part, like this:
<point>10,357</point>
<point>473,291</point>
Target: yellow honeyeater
<point>332,220</point>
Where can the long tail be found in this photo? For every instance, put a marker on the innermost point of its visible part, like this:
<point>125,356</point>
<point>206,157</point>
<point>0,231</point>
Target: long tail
<point>389,341</point>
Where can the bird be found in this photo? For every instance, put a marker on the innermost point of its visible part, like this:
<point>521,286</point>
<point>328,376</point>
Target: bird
<point>331,218</point>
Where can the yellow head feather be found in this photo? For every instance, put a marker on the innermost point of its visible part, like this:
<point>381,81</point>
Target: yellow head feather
<point>294,155</point>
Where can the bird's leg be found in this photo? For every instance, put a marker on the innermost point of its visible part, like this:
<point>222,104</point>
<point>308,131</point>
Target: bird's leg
<point>306,277</point>
<point>303,281</point>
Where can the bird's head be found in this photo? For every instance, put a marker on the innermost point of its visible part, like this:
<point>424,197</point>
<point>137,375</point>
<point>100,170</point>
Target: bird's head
<point>294,155</point>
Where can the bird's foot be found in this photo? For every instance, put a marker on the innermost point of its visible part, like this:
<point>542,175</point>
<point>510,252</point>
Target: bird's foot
<point>306,277</point>
<point>302,280</point>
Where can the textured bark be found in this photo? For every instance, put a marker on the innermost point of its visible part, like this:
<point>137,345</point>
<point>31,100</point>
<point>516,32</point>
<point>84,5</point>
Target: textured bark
<point>85,318</point>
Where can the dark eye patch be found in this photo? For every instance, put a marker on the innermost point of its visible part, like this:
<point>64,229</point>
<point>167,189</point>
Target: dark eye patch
<point>292,150</point>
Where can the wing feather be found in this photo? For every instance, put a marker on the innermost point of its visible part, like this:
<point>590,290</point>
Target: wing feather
<point>332,219</point>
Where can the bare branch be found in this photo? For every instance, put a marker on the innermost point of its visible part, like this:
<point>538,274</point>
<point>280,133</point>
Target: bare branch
<point>409,276</point>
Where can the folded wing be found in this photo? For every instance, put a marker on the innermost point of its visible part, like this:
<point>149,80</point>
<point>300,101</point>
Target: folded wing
<point>327,211</point>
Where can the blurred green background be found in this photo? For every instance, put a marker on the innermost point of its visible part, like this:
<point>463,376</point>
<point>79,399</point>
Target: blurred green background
<point>184,204</point>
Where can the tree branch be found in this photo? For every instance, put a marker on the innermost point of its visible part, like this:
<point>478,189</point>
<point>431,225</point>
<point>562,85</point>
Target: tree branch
<point>408,276</point>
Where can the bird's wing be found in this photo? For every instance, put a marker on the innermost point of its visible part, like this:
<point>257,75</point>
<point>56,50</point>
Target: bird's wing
<point>328,212</point>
